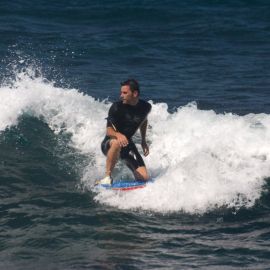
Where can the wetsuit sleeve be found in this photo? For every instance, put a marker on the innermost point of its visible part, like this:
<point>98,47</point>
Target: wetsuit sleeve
<point>149,108</point>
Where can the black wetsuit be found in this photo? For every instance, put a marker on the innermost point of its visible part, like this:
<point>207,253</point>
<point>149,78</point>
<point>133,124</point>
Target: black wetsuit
<point>126,119</point>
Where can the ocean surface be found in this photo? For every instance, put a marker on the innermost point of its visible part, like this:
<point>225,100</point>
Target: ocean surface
<point>205,68</point>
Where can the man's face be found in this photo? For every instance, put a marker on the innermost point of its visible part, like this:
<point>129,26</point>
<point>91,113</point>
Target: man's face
<point>127,96</point>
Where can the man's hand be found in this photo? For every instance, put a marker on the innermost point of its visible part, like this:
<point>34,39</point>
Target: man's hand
<point>122,139</point>
<point>145,148</point>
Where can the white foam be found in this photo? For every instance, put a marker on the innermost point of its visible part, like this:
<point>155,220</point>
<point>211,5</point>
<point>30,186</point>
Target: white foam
<point>200,160</point>
<point>64,110</point>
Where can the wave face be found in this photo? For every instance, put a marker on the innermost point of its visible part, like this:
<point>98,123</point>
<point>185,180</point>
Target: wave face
<point>200,160</point>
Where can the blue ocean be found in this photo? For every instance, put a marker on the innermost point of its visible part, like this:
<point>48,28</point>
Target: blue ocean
<point>205,68</point>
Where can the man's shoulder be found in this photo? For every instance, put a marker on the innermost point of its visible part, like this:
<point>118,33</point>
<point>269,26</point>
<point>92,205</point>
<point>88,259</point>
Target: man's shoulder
<point>145,104</point>
<point>116,105</point>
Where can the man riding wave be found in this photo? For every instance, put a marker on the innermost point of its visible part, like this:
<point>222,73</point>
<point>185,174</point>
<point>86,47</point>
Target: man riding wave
<point>125,117</point>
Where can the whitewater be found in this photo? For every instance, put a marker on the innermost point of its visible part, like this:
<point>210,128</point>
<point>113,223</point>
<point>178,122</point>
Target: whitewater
<point>200,160</point>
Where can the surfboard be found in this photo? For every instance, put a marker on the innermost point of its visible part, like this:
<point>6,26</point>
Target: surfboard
<point>125,185</point>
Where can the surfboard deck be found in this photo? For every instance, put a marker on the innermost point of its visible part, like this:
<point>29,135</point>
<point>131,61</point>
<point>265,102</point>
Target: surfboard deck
<point>125,185</point>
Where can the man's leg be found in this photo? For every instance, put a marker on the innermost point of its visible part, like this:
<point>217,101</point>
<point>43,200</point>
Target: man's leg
<point>110,148</point>
<point>112,156</point>
<point>141,173</point>
<point>135,162</point>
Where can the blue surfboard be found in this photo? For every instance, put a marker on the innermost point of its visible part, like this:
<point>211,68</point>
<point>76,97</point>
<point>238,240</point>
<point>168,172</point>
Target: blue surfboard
<point>125,185</point>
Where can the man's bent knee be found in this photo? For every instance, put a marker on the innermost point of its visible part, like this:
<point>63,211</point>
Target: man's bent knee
<point>141,174</point>
<point>114,144</point>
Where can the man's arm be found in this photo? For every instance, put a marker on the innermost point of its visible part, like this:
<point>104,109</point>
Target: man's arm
<point>112,131</point>
<point>114,134</point>
<point>143,129</point>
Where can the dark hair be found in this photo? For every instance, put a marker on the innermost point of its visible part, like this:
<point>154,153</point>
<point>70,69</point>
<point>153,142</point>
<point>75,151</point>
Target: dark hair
<point>133,85</point>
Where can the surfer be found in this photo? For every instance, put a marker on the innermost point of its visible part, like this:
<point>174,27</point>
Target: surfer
<point>125,117</point>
